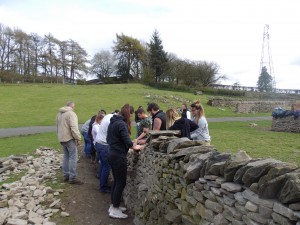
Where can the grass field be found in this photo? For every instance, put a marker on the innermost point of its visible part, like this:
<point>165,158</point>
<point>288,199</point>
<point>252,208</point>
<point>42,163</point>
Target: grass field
<point>29,105</point>
<point>37,105</point>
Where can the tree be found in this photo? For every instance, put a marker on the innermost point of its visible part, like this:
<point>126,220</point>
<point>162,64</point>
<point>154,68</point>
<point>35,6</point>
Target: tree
<point>103,64</point>
<point>208,73</point>
<point>77,60</point>
<point>122,70</point>
<point>7,47</point>
<point>157,56</point>
<point>129,51</point>
<point>264,82</point>
<point>36,47</point>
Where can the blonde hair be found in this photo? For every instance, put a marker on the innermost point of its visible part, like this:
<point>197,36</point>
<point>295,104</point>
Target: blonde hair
<point>171,116</point>
<point>197,105</point>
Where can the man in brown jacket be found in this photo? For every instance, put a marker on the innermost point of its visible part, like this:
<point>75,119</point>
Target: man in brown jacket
<point>69,137</point>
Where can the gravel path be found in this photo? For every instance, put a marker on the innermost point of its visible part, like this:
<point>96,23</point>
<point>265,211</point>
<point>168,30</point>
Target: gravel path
<point>9,132</point>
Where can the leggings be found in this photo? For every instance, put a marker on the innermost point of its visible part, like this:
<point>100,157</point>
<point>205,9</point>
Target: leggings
<point>119,170</point>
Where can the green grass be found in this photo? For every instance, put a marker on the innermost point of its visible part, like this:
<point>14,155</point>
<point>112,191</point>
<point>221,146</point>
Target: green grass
<point>27,144</point>
<point>258,142</point>
<point>31,104</point>
<point>37,105</point>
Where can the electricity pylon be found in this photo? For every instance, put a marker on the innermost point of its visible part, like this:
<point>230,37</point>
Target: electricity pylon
<point>266,57</point>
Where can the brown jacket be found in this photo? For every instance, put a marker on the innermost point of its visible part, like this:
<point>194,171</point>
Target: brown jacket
<point>67,125</point>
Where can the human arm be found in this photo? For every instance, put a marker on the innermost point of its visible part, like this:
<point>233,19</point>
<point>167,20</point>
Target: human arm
<point>202,131</point>
<point>73,124</point>
<point>157,124</point>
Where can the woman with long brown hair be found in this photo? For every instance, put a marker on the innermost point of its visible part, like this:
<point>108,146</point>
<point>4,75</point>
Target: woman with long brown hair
<point>118,138</point>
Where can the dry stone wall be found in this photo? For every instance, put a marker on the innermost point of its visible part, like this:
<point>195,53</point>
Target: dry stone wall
<point>248,106</point>
<point>178,181</point>
<point>286,124</point>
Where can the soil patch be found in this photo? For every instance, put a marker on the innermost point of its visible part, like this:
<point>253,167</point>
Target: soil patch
<point>85,203</point>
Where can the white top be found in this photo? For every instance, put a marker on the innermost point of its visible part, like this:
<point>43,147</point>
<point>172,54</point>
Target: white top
<point>188,114</point>
<point>102,131</point>
<point>95,130</point>
<point>202,133</point>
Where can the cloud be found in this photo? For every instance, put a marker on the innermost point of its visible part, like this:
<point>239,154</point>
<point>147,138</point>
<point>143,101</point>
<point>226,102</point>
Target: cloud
<point>229,33</point>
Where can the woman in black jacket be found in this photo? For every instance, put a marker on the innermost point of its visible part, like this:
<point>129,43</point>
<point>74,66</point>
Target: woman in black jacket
<point>175,122</point>
<point>118,138</point>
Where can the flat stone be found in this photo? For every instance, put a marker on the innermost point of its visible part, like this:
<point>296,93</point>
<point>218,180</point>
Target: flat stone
<point>257,218</point>
<point>295,206</point>
<point>64,214</point>
<point>11,221</point>
<point>231,187</point>
<point>280,219</point>
<point>214,206</point>
<point>3,203</point>
<point>251,206</point>
<point>248,221</point>
<point>239,198</point>
<point>220,220</point>
<point>284,211</point>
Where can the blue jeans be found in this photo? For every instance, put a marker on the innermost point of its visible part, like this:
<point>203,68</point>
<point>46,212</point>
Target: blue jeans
<point>87,143</point>
<point>102,155</point>
<point>70,159</point>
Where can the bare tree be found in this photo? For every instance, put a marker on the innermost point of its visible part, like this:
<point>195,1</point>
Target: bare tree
<point>103,64</point>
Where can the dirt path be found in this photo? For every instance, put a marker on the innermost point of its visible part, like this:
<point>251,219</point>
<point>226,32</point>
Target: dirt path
<point>85,204</point>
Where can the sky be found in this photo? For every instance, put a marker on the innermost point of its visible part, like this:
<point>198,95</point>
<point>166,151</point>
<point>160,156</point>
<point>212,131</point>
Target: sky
<point>227,32</point>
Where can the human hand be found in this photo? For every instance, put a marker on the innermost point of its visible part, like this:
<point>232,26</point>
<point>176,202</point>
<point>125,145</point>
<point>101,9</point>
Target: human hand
<point>141,142</point>
<point>137,147</point>
<point>78,143</point>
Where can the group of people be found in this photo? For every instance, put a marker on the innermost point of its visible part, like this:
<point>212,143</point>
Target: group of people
<point>107,140</point>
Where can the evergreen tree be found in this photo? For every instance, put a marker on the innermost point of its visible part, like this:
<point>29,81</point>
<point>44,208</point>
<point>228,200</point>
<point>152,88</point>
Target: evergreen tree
<point>264,83</point>
<point>157,57</point>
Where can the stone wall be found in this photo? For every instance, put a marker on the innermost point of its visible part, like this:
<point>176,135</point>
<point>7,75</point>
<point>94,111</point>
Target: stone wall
<point>178,181</point>
<point>286,124</point>
<point>248,106</point>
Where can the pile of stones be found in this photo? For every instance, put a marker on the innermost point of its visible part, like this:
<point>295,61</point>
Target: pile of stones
<point>178,181</point>
<point>286,124</point>
<point>29,200</point>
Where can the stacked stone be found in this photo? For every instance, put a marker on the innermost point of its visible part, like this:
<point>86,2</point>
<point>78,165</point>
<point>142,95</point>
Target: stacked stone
<point>286,124</point>
<point>241,106</point>
<point>184,182</point>
<point>29,200</point>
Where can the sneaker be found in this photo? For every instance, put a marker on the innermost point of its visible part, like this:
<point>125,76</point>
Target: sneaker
<point>117,214</point>
<point>123,209</point>
<point>75,181</point>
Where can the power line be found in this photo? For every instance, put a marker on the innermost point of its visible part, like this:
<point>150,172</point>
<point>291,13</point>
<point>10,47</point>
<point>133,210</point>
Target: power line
<point>266,57</point>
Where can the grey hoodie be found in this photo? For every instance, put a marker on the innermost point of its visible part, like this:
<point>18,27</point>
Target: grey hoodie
<point>67,125</point>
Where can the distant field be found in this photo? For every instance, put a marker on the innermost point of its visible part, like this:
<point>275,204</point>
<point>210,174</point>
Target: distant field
<point>37,105</point>
<point>31,105</point>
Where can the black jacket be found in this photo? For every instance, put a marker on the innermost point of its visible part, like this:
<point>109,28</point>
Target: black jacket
<point>118,136</point>
<point>185,126</point>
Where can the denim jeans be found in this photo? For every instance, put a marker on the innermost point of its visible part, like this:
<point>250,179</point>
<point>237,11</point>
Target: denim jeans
<point>70,159</point>
<point>102,155</point>
<point>119,169</point>
<point>87,143</point>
